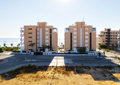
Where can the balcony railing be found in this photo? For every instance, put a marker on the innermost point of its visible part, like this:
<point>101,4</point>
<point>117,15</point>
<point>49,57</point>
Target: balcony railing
<point>67,30</point>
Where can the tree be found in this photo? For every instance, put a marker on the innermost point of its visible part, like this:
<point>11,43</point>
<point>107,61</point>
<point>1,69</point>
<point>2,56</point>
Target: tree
<point>113,46</point>
<point>32,45</point>
<point>81,50</point>
<point>4,44</point>
<point>11,44</point>
<point>18,45</point>
<point>1,49</point>
<point>100,44</point>
<point>45,46</point>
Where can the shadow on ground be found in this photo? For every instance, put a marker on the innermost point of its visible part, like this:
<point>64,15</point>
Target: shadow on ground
<point>99,73</point>
<point>102,69</point>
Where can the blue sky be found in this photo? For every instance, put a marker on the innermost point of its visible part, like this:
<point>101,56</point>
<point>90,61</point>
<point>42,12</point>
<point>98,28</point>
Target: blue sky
<point>59,13</point>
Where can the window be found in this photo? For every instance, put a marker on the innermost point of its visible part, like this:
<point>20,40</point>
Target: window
<point>38,41</point>
<point>38,45</point>
<point>38,29</point>
<point>86,40</point>
<point>86,29</point>
<point>94,29</point>
<point>29,28</point>
<point>46,41</point>
<point>86,32</point>
<point>46,44</point>
<point>75,41</point>
<point>75,37</point>
<point>29,37</point>
<point>86,44</point>
<point>46,29</point>
<point>67,30</point>
<point>75,45</point>
<point>30,33</point>
<point>86,36</point>
<point>75,28</point>
<point>46,37</point>
<point>46,32</point>
<point>74,32</point>
<point>38,33</point>
<point>37,37</point>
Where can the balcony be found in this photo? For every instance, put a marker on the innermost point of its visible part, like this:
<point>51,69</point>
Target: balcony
<point>66,29</point>
<point>94,29</point>
<point>54,30</point>
<point>21,35</point>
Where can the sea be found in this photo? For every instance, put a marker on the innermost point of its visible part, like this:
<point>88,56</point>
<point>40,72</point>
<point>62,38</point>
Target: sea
<point>8,41</point>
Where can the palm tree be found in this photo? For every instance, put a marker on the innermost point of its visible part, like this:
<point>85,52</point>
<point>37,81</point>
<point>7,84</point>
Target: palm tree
<point>4,44</point>
<point>18,45</point>
<point>45,46</point>
<point>12,45</point>
<point>48,47</point>
<point>32,45</point>
<point>113,46</point>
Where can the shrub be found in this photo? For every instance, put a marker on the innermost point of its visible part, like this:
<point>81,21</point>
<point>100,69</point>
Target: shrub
<point>10,48</point>
<point>1,50</point>
<point>81,50</point>
<point>102,46</point>
<point>118,58</point>
<point>107,50</point>
<point>22,69</point>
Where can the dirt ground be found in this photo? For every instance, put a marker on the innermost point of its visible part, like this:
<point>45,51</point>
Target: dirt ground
<point>66,76</point>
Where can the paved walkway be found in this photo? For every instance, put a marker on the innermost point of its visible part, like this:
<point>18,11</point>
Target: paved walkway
<point>17,60</point>
<point>60,61</point>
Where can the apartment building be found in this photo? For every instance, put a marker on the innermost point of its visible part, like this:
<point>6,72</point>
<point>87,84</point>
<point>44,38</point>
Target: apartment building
<point>35,36</point>
<point>109,37</point>
<point>80,35</point>
<point>119,40</point>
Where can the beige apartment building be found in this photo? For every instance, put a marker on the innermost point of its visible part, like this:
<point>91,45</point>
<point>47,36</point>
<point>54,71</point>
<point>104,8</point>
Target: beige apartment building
<point>35,36</point>
<point>109,37</point>
<point>80,35</point>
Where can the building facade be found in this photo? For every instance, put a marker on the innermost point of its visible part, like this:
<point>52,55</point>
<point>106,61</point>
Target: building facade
<point>109,38</point>
<point>119,40</point>
<point>80,35</point>
<point>37,36</point>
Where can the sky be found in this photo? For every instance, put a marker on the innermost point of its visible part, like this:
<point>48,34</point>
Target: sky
<point>14,14</point>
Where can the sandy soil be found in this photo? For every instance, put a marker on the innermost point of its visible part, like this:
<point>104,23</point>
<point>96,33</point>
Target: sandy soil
<point>62,76</point>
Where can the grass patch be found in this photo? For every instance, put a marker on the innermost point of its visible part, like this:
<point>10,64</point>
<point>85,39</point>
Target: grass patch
<point>118,58</point>
<point>37,75</point>
<point>107,50</point>
<point>37,71</point>
<point>23,69</point>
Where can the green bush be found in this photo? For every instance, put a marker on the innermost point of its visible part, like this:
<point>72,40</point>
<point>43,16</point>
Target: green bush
<point>118,58</point>
<point>1,50</point>
<point>22,69</point>
<point>10,48</point>
<point>102,46</point>
<point>81,50</point>
<point>107,50</point>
